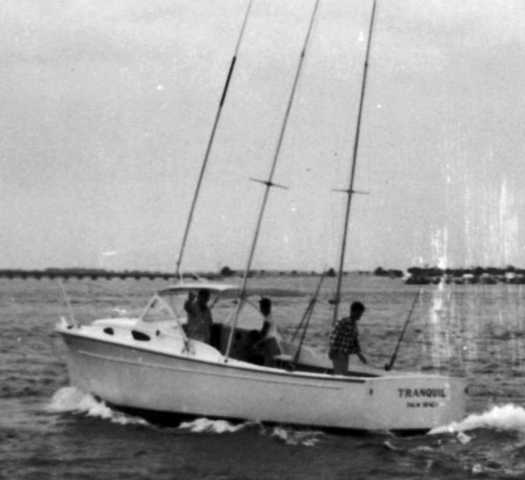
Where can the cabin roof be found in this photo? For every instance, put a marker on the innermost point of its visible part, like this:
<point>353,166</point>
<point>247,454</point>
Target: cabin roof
<point>213,287</point>
<point>226,289</point>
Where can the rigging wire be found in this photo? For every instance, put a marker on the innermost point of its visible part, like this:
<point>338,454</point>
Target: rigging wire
<point>67,301</point>
<point>390,364</point>
<point>305,321</point>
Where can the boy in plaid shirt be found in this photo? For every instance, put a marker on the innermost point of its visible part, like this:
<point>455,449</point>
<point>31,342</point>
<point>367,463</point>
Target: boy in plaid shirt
<point>344,340</point>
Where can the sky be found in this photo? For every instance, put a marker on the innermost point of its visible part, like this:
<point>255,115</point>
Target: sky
<point>107,107</point>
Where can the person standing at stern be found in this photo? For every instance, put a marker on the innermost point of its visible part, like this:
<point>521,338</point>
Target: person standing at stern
<point>344,340</point>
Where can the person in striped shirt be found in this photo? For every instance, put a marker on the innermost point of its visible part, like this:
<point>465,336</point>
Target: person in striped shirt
<point>344,340</point>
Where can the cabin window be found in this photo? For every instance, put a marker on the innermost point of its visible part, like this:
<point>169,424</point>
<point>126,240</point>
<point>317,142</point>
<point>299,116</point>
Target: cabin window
<point>109,331</point>
<point>142,337</point>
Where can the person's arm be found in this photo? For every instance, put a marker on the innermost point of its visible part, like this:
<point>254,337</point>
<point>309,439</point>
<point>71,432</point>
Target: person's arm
<point>188,304</point>
<point>262,335</point>
<point>359,352</point>
<point>207,316</point>
<point>264,329</point>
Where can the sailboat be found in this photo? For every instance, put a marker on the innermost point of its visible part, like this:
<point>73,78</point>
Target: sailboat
<point>149,366</point>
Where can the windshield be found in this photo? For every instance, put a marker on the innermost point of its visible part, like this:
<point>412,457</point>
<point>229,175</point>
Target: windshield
<point>170,305</point>
<point>158,310</point>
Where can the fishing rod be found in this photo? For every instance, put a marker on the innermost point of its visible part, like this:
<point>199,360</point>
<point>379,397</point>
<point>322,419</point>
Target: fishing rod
<point>269,182</point>
<point>211,139</point>
<point>306,320</point>
<point>65,296</point>
<point>390,364</point>
<point>350,191</point>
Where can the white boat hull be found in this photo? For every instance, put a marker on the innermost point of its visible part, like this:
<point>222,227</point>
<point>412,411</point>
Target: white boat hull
<point>140,378</point>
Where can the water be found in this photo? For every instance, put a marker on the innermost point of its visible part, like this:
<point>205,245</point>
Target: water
<point>51,430</point>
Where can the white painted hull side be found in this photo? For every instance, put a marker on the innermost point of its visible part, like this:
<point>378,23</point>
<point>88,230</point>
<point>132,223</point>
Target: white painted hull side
<point>143,379</point>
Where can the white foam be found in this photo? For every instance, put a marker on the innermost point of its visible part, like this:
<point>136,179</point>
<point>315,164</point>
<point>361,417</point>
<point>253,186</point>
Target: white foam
<point>508,417</point>
<point>307,438</point>
<point>477,468</point>
<point>71,399</point>
<point>388,444</point>
<point>201,425</point>
<point>463,438</point>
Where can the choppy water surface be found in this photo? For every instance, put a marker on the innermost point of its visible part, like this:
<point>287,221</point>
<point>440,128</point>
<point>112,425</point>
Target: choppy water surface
<point>51,430</point>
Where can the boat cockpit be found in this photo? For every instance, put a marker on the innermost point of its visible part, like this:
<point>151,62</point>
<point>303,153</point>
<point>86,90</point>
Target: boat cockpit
<point>166,308</point>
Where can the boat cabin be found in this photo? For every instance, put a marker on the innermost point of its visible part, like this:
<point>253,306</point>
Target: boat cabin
<point>167,305</point>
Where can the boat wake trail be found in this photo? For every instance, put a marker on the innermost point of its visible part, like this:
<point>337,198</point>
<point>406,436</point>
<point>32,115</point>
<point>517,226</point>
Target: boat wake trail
<point>494,446</point>
<point>306,438</point>
<point>507,417</point>
<point>287,435</point>
<point>73,400</point>
<point>206,425</point>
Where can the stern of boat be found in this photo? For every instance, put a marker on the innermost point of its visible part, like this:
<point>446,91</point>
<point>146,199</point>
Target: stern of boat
<point>415,402</point>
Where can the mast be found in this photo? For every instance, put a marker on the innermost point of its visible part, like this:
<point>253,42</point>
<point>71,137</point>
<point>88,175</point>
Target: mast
<point>350,191</point>
<point>268,183</point>
<point>211,139</point>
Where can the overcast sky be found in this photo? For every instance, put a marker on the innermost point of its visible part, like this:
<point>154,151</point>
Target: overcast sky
<point>107,107</point>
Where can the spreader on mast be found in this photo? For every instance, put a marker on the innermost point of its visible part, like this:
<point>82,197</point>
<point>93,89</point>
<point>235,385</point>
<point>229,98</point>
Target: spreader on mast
<point>211,139</point>
<point>350,190</point>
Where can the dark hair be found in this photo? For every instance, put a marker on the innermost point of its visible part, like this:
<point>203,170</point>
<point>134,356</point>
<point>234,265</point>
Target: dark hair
<point>204,293</point>
<point>357,307</point>
<point>265,303</point>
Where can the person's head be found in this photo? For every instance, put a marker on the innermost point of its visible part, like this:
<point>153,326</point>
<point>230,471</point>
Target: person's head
<point>356,310</point>
<point>265,306</point>
<point>203,296</point>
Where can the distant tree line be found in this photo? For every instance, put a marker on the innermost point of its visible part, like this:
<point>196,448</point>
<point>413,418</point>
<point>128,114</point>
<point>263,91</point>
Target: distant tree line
<point>478,274</point>
<point>390,273</point>
<point>416,275</point>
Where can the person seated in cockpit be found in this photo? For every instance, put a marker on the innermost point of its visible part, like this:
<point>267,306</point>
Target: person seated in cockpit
<point>270,338</point>
<point>200,319</point>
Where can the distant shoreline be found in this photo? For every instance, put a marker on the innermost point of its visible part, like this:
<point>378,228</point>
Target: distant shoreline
<point>99,273</point>
<point>412,275</point>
